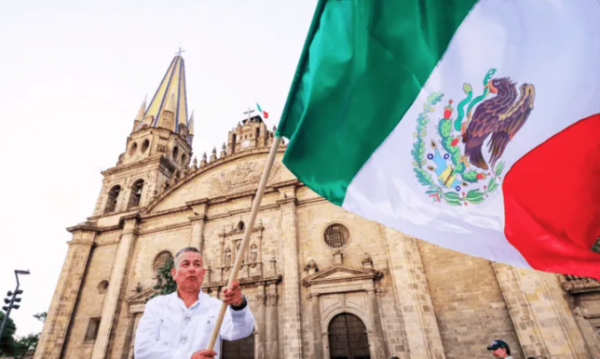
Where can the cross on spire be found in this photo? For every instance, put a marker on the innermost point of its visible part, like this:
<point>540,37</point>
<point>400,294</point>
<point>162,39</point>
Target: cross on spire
<point>249,112</point>
<point>179,52</point>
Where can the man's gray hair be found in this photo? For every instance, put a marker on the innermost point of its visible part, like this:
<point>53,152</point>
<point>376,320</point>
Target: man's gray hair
<point>184,250</point>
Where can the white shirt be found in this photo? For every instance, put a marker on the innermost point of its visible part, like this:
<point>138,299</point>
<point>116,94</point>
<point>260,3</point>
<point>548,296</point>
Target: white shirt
<point>169,330</point>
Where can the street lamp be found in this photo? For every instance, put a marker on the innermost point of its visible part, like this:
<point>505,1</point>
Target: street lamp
<point>12,299</point>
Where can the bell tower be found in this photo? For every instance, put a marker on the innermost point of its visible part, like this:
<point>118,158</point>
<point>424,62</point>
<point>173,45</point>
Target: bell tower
<point>158,148</point>
<point>250,133</point>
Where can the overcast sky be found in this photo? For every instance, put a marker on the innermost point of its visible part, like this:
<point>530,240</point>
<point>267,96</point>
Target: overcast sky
<point>72,77</point>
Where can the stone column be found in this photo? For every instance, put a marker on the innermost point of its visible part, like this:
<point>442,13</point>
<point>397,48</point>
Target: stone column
<point>114,288</point>
<point>272,322</point>
<point>540,314</point>
<point>291,283</point>
<point>316,327</point>
<point>65,296</point>
<point>136,322</point>
<point>377,341</point>
<point>413,297</point>
<point>261,321</point>
<point>198,220</point>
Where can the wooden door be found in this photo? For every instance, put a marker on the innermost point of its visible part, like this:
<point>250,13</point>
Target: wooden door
<point>348,338</point>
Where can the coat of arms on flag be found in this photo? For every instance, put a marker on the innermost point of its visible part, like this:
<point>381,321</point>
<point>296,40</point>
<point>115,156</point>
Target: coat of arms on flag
<point>453,167</point>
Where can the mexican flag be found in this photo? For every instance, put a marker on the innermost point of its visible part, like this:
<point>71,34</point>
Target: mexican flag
<point>264,113</point>
<point>474,125</point>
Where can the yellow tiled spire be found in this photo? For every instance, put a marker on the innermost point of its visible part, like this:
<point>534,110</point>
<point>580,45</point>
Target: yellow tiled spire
<point>171,93</point>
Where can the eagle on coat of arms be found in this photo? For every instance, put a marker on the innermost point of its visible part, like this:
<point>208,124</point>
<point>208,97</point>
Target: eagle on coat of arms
<point>456,170</point>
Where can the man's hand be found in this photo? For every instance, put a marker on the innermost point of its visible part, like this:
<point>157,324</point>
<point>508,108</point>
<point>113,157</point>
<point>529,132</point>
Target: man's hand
<point>233,295</point>
<point>203,354</point>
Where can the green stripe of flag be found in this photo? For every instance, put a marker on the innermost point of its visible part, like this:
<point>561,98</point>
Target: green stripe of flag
<point>363,64</point>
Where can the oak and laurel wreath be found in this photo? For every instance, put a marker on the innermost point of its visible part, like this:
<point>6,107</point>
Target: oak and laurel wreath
<point>424,177</point>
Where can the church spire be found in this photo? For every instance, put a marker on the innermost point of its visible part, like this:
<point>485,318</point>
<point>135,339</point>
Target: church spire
<point>140,115</point>
<point>170,98</point>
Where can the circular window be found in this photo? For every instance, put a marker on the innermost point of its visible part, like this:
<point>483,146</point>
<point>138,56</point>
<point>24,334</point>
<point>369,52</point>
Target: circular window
<point>145,145</point>
<point>161,259</point>
<point>240,226</point>
<point>336,236</point>
<point>103,287</point>
<point>133,149</point>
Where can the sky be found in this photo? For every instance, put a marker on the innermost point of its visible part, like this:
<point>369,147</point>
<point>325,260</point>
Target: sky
<point>73,75</point>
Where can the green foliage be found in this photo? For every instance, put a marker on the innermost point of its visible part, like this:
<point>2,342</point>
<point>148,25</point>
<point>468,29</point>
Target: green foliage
<point>24,344</point>
<point>165,284</point>
<point>7,341</point>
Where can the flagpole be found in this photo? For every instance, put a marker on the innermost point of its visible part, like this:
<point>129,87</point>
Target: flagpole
<point>239,258</point>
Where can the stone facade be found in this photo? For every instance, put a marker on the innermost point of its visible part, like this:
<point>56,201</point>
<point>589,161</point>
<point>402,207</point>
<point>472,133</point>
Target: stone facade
<point>308,263</point>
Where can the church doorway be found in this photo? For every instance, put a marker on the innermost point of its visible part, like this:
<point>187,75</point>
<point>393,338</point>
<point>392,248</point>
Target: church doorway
<point>348,338</point>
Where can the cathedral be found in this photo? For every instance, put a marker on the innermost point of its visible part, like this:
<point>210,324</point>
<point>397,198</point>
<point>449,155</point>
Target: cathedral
<point>322,283</point>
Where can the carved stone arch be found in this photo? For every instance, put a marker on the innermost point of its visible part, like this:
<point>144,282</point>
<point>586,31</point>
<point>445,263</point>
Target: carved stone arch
<point>135,199</point>
<point>114,196</point>
<point>161,258</point>
<point>331,312</point>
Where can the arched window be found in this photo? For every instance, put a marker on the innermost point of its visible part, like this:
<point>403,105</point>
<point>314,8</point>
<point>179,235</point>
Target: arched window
<point>175,153</point>
<point>161,259</point>
<point>136,194</point>
<point>133,149</point>
<point>257,132</point>
<point>113,196</point>
<point>183,159</point>
<point>145,145</point>
<point>233,139</point>
<point>336,236</point>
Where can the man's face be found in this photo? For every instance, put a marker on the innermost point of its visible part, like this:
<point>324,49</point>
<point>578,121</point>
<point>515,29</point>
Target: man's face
<point>189,273</point>
<point>500,353</point>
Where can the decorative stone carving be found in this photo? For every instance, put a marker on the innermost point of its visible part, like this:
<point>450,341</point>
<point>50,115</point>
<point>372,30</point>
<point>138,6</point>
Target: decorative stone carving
<point>203,162</point>
<point>138,288</point>
<point>213,156</point>
<point>227,258</point>
<point>253,254</point>
<point>338,258</point>
<point>273,263</point>
<point>195,163</point>
<point>244,174</point>
<point>223,151</point>
<point>311,267</point>
<point>367,262</point>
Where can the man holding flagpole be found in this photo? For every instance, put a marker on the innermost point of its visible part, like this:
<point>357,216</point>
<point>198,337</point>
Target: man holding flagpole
<point>179,325</point>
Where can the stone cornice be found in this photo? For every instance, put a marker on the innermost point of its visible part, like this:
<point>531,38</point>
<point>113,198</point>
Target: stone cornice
<point>580,285</point>
<point>164,162</point>
<point>164,228</point>
<point>327,276</point>
<point>85,226</point>
<point>78,241</point>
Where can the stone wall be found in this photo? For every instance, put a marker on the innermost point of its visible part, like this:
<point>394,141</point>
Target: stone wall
<point>468,303</point>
